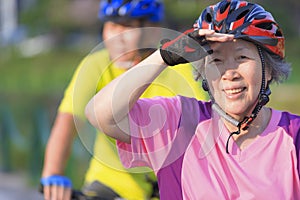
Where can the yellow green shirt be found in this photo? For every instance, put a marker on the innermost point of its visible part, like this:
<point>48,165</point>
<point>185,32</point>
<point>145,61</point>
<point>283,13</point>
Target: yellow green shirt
<point>93,73</point>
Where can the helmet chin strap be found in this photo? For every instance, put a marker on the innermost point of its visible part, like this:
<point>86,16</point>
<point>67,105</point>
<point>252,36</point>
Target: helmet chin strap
<point>263,99</point>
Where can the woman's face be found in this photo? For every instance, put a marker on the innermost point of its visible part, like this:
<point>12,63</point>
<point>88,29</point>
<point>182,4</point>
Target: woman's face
<point>234,73</point>
<point>122,40</point>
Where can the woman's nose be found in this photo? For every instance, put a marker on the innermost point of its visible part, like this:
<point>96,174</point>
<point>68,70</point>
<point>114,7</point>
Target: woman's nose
<point>230,74</point>
<point>230,71</point>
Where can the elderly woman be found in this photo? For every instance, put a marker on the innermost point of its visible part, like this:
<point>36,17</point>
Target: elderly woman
<point>232,147</point>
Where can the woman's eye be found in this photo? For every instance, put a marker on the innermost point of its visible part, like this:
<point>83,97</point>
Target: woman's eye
<point>216,60</point>
<point>243,57</point>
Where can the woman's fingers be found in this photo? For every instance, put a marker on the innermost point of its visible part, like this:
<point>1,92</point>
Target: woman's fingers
<point>211,35</point>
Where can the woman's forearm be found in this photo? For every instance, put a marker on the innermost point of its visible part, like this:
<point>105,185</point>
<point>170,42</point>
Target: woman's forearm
<point>108,109</point>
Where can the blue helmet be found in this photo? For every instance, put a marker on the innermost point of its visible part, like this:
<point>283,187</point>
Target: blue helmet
<point>151,10</point>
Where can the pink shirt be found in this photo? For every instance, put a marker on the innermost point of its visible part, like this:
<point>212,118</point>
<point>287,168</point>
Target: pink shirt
<point>183,140</point>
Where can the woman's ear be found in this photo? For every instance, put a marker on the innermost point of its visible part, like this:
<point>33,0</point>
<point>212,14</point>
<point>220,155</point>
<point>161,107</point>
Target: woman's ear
<point>268,74</point>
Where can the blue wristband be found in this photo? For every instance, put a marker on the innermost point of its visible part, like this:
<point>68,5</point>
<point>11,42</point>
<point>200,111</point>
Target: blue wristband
<point>58,180</point>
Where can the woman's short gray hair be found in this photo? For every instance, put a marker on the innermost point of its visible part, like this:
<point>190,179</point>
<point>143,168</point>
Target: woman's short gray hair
<point>278,67</point>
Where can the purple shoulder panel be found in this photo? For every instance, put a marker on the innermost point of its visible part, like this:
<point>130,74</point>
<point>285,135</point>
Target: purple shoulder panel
<point>169,176</point>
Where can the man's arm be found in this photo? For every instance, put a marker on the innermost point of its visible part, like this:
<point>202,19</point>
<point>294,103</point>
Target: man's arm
<point>58,150</point>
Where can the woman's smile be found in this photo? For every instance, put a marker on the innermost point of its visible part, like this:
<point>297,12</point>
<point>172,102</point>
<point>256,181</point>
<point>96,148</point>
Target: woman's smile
<point>234,93</point>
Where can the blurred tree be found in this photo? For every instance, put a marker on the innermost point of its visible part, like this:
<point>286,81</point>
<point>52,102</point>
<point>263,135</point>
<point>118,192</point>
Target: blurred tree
<point>61,18</point>
<point>73,15</point>
<point>64,17</point>
<point>34,16</point>
<point>181,14</point>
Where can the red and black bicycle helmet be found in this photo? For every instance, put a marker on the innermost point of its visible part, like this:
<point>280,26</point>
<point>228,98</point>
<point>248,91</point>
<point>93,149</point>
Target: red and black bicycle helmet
<point>245,20</point>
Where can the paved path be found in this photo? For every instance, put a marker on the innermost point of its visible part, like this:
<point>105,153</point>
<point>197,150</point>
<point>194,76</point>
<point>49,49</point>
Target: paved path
<point>15,187</point>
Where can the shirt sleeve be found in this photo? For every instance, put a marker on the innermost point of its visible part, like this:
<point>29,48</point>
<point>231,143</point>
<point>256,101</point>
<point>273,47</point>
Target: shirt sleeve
<point>153,127</point>
<point>82,87</point>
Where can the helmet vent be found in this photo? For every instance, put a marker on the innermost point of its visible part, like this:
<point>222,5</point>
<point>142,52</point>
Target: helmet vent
<point>258,17</point>
<point>243,14</point>
<point>265,25</point>
<point>279,33</point>
<point>208,18</point>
